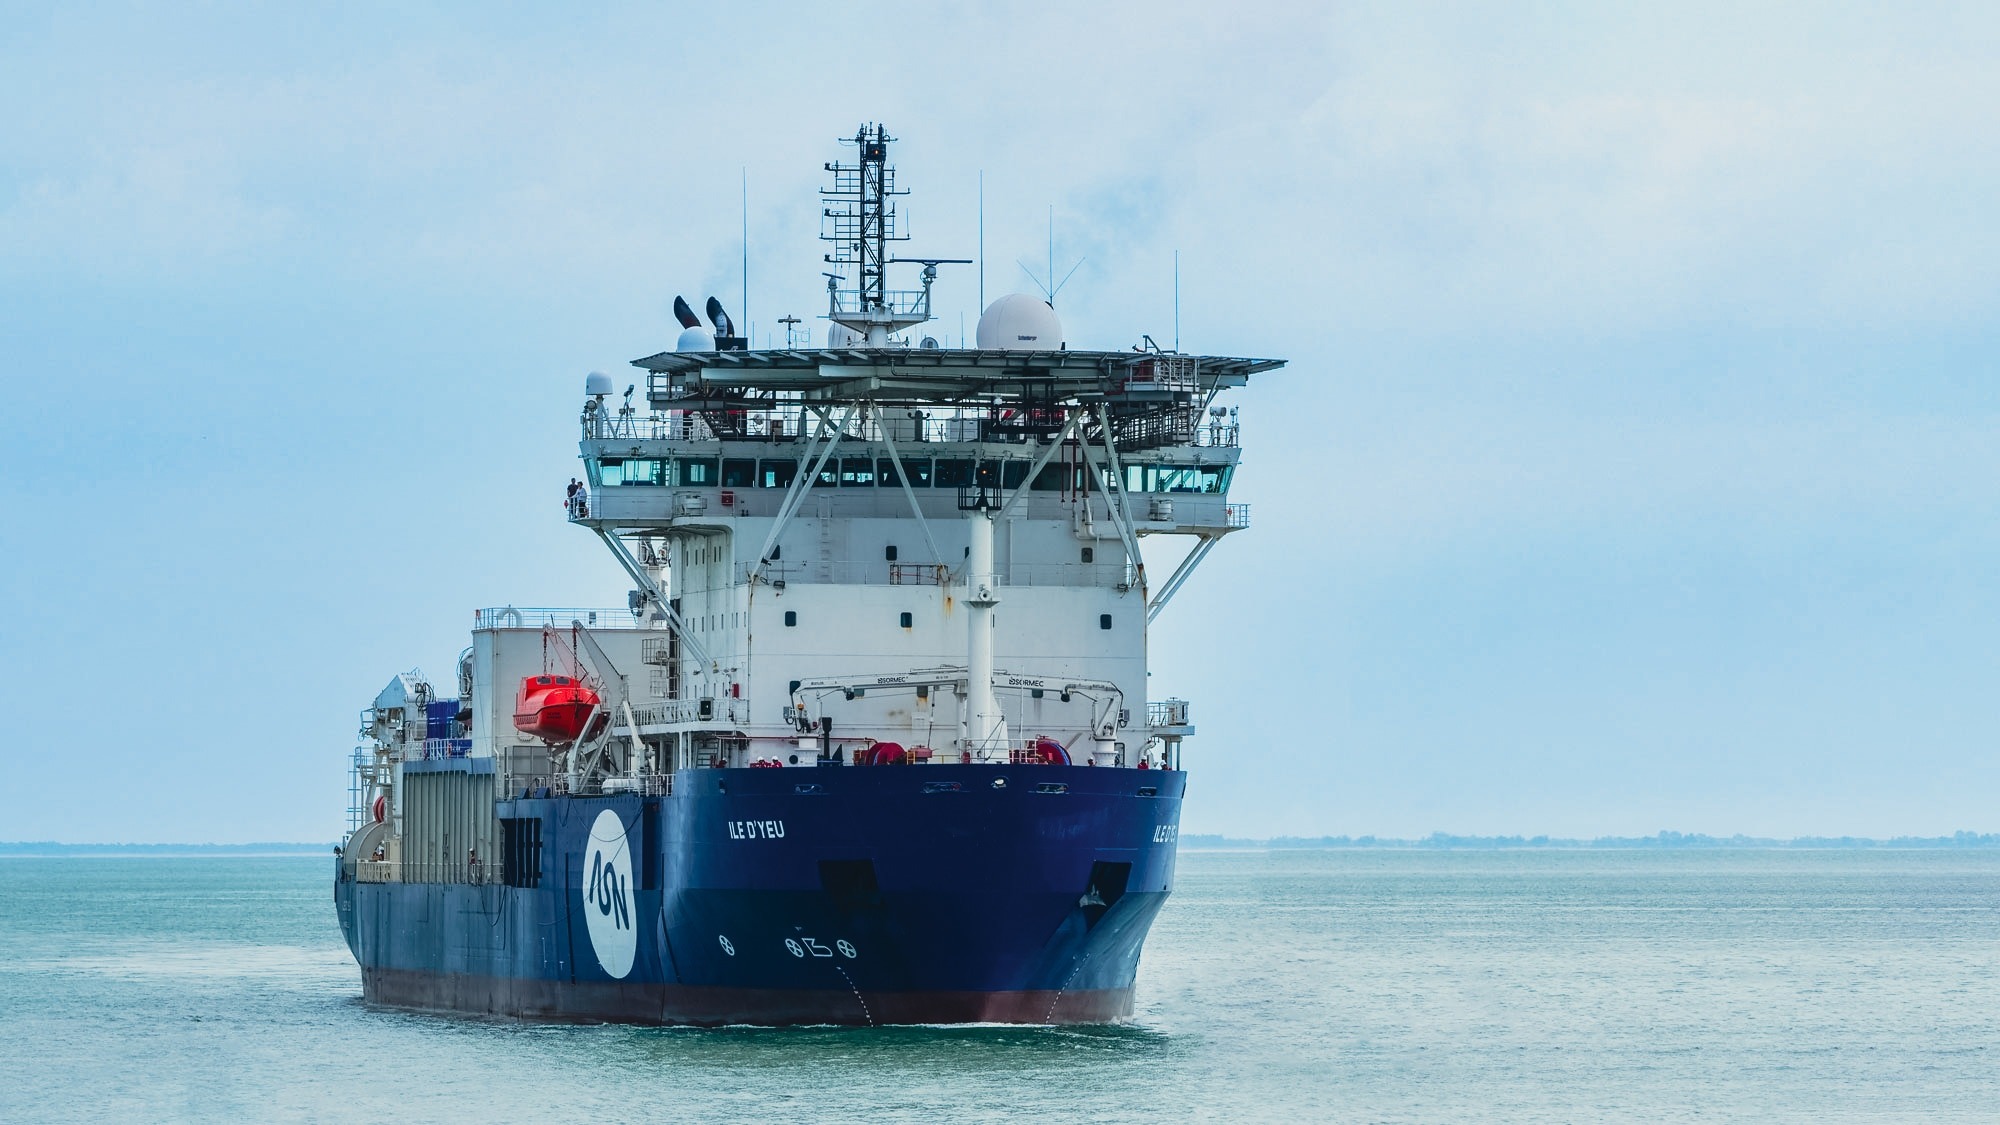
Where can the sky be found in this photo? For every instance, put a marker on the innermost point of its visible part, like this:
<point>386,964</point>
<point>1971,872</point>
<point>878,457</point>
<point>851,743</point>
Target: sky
<point>1635,466</point>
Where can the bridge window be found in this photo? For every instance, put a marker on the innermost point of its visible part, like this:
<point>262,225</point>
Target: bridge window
<point>829,474</point>
<point>953,474</point>
<point>1002,474</point>
<point>776,474</point>
<point>1176,478</point>
<point>698,472</point>
<point>885,473</point>
<point>1215,479</point>
<point>857,472</point>
<point>738,473</point>
<point>1057,478</point>
<point>1135,479</point>
<point>919,470</point>
<point>634,472</point>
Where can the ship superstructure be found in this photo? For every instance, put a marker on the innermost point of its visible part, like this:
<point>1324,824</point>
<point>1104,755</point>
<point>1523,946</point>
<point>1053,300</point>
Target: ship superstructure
<point>870,741</point>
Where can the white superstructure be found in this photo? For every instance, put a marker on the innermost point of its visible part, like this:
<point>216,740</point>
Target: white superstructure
<point>879,550</point>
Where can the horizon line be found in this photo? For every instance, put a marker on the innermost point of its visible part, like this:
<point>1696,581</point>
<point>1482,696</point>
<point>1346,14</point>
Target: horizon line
<point>1199,840</point>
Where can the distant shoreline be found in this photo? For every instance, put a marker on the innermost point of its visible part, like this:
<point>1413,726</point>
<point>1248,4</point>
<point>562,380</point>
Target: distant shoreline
<point>1437,841</point>
<point>44,848</point>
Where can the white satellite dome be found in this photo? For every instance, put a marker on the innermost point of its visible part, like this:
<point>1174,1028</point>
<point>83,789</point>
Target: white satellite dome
<point>695,340</point>
<point>596,383</point>
<point>841,336</point>
<point>1020,322</point>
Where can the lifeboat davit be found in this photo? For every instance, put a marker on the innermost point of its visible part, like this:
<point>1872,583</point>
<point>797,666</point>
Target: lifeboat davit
<point>553,707</point>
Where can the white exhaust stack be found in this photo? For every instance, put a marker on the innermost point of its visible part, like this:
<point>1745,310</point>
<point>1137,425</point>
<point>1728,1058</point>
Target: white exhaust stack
<point>986,726</point>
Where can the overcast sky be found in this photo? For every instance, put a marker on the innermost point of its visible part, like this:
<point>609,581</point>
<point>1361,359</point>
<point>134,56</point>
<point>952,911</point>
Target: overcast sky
<point>1635,467</point>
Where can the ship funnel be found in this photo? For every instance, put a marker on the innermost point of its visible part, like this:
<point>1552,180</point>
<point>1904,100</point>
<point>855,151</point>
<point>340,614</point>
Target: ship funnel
<point>726,339</point>
<point>694,338</point>
<point>720,319</point>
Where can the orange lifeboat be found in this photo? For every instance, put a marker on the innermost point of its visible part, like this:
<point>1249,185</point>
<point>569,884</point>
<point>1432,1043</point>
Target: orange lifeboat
<point>553,708</point>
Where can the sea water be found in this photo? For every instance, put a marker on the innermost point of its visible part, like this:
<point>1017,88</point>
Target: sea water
<point>1347,985</point>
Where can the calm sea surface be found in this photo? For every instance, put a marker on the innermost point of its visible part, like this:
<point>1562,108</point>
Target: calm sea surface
<point>1310,986</point>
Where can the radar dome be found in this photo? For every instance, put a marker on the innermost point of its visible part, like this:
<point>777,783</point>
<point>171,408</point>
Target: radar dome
<point>596,383</point>
<point>841,336</point>
<point>1020,322</point>
<point>695,340</point>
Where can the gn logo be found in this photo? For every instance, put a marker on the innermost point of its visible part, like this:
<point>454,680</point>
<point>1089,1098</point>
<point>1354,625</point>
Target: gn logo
<point>609,892</point>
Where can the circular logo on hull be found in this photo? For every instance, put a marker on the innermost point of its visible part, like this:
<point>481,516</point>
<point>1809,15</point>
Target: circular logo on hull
<point>609,907</point>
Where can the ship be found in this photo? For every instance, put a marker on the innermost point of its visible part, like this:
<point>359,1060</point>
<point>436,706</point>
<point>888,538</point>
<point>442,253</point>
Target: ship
<point>870,742</point>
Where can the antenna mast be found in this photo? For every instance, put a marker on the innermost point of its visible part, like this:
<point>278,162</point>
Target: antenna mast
<point>858,217</point>
<point>746,250</point>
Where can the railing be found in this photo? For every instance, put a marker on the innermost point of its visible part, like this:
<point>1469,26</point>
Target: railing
<point>1237,516</point>
<point>647,785</point>
<point>1218,435</point>
<point>790,425</point>
<point>726,710</point>
<point>534,617</point>
<point>918,574</point>
<point>1167,713</point>
<point>439,749</point>
<point>377,871</point>
<point>927,574</point>
<point>1067,574</point>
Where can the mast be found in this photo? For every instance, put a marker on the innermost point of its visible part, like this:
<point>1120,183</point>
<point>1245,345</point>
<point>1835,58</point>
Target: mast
<point>858,218</point>
<point>819,498</point>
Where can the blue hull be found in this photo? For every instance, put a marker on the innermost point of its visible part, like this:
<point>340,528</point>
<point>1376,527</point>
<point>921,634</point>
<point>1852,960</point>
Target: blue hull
<point>781,896</point>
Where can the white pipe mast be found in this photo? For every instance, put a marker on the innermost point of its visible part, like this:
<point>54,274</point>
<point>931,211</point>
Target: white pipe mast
<point>986,725</point>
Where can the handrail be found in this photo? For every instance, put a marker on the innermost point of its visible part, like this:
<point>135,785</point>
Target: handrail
<point>535,617</point>
<point>725,711</point>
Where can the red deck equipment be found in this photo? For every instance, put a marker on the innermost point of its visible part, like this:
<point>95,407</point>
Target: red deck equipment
<point>553,708</point>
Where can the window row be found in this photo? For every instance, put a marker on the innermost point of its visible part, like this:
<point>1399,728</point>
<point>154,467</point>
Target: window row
<point>880,472</point>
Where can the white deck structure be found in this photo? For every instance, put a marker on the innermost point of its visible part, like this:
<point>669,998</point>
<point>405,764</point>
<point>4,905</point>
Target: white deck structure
<point>878,541</point>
